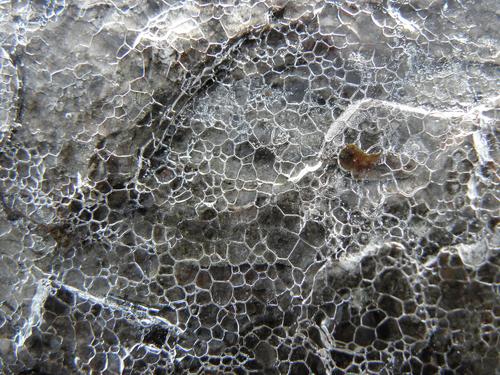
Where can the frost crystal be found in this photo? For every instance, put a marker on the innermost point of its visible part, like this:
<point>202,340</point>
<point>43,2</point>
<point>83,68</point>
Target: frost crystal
<point>261,187</point>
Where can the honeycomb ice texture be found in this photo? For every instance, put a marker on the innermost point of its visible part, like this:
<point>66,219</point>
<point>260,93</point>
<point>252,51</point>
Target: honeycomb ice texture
<point>176,197</point>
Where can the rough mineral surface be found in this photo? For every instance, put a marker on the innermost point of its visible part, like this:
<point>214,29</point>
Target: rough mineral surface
<point>249,187</point>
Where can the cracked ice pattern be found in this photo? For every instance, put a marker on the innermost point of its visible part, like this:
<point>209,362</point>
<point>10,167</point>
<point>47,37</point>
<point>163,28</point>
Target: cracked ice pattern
<point>176,196</point>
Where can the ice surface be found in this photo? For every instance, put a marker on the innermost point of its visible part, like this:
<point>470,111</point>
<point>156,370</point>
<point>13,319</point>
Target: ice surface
<point>172,201</point>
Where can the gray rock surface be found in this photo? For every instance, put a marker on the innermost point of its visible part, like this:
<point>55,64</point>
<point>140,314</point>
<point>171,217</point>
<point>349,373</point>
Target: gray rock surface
<point>173,198</point>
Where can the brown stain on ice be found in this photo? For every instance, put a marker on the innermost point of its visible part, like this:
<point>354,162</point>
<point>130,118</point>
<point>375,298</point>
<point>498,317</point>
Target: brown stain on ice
<point>353,159</point>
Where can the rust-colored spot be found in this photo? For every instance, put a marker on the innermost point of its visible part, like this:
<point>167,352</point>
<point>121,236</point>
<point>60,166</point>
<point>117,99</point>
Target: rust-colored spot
<point>353,159</point>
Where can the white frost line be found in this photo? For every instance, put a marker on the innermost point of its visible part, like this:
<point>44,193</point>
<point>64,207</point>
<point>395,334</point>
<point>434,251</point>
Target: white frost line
<point>304,171</point>
<point>481,147</point>
<point>139,311</point>
<point>150,348</point>
<point>42,291</point>
<point>336,127</point>
<point>368,104</point>
<point>472,192</point>
<point>409,26</point>
<point>408,108</point>
<point>347,262</point>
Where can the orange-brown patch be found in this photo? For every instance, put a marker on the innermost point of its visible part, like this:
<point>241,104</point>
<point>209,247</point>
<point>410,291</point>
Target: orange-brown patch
<point>353,159</point>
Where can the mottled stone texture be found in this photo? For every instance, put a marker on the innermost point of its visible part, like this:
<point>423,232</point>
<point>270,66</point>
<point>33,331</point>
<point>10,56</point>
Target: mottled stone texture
<point>177,195</point>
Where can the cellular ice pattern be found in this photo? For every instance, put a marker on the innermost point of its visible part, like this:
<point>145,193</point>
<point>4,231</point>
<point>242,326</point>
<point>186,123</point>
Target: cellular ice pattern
<point>249,187</point>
